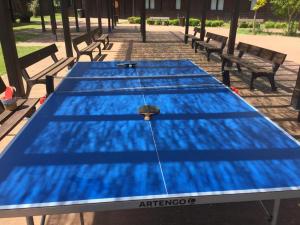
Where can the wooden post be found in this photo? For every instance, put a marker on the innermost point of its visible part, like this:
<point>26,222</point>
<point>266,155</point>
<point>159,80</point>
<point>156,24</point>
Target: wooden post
<point>99,12</point>
<point>187,21</point>
<point>88,15</point>
<point>66,27</point>
<point>112,14</point>
<point>9,50</point>
<point>53,19</point>
<point>113,8</point>
<point>76,15</point>
<point>42,15</point>
<point>143,20</point>
<point>203,19</point>
<point>108,15</point>
<point>11,11</point>
<point>133,7</point>
<point>233,26</point>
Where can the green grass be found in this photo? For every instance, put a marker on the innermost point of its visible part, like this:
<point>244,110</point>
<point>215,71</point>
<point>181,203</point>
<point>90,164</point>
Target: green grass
<point>21,52</point>
<point>27,26</point>
<point>47,18</point>
<point>35,23</point>
<point>22,36</point>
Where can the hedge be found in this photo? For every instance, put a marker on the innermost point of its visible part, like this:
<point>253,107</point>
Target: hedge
<point>134,20</point>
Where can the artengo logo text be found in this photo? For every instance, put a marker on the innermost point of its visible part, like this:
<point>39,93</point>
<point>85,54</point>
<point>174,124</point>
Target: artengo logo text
<point>167,202</point>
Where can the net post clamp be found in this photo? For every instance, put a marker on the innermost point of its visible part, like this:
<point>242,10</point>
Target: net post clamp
<point>127,65</point>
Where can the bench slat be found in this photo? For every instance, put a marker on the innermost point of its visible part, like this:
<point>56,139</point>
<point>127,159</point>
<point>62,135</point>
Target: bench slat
<point>54,68</point>
<point>37,56</point>
<point>7,113</point>
<point>16,117</point>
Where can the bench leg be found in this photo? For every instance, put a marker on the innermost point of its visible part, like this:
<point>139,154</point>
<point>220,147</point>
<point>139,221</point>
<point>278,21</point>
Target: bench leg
<point>91,56</point>
<point>239,67</point>
<point>28,90</point>
<point>193,43</point>
<point>272,82</point>
<point>253,77</point>
<point>208,55</point>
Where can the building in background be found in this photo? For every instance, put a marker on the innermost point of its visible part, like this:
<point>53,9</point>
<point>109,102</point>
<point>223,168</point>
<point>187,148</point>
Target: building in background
<point>217,9</point>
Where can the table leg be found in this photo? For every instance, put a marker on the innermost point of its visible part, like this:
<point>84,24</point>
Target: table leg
<point>81,219</point>
<point>43,220</point>
<point>275,212</point>
<point>29,220</point>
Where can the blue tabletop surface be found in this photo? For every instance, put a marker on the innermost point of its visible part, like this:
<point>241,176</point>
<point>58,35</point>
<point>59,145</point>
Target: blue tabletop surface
<point>94,145</point>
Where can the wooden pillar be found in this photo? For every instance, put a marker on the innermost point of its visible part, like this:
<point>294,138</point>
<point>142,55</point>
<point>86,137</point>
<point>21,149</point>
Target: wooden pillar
<point>88,15</point>
<point>187,21</point>
<point>143,20</point>
<point>108,15</point>
<point>133,7</point>
<point>66,27</point>
<point>99,13</point>
<point>11,11</point>
<point>9,49</point>
<point>42,15</point>
<point>53,19</point>
<point>233,26</point>
<point>112,14</point>
<point>203,19</point>
<point>76,15</point>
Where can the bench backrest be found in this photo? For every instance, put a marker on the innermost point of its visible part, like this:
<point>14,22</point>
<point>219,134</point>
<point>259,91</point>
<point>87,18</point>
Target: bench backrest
<point>197,30</point>
<point>96,31</point>
<point>80,39</point>
<point>273,57</point>
<point>159,18</point>
<point>218,38</point>
<point>296,95</point>
<point>38,55</point>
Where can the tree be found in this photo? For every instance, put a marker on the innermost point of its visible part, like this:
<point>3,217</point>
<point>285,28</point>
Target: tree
<point>258,5</point>
<point>289,9</point>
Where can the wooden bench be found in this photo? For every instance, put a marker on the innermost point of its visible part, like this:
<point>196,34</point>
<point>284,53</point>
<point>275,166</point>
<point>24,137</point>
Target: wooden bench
<point>10,119</point>
<point>52,70</point>
<point>162,19</point>
<point>97,36</point>
<point>263,62</point>
<point>214,43</point>
<point>194,36</point>
<point>296,96</point>
<point>88,49</point>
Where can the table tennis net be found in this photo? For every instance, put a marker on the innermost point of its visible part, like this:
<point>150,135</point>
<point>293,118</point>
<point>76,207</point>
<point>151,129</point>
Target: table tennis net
<point>114,84</point>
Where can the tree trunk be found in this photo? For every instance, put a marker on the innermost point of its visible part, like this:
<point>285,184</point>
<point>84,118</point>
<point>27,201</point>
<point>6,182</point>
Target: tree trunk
<point>254,22</point>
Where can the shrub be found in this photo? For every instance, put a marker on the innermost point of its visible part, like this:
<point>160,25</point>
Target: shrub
<point>280,25</point>
<point>174,22</point>
<point>34,7</point>
<point>194,22</point>
<point>214,23</point>
<point>134,20</point>
<point>269,24</point>
<point>245,25</point>
<point>158,22</point>
<point>167,22</point>
<point>208,23</point>
<point>150,22</point>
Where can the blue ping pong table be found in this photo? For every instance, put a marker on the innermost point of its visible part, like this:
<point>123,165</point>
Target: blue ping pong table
<point>88,149</point>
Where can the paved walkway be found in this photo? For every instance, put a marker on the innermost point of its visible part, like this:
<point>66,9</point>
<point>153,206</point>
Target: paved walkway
<point>167,44</point>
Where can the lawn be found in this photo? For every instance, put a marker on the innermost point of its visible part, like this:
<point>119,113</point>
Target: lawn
<point>26,31</point>
<point>21,52</point>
